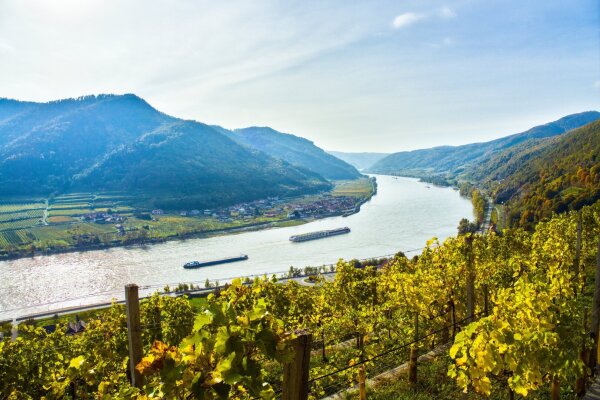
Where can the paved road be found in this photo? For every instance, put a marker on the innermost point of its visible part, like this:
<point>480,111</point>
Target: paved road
<point>488,215</point>
<point>45,214</point>
<point>97,306</point>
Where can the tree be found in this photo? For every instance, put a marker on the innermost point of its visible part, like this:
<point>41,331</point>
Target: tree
<point>465,226</point>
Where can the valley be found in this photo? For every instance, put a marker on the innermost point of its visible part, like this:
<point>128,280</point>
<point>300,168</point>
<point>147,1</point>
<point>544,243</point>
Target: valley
<point>402,216</point>
<point>82,221</point>
<point>299,200</point>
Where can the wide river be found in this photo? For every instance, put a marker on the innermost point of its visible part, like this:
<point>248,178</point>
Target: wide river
<point>402,216</point>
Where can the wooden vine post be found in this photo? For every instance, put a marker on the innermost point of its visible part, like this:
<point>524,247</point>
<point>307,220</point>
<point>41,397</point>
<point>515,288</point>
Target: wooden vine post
<point>445,334</point>
<point>453,319</point>
<point>470,281</point>
<point>323,345</point>
<point>596,312</point>
<point>412,364</point>
<point>295,372</point>
<point>134,333</point>
<point>578,246</point>
<point>486,300</point>
<point>362,384</point>
<point>584,357</point>
<point>555,389</point>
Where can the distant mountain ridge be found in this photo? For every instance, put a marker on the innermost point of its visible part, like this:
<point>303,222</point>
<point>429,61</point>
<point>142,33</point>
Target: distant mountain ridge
<point>297,151</point>
<point>362,161</point>
<point>120,142</point>
<point>456,159</point>
<point>547,169</point>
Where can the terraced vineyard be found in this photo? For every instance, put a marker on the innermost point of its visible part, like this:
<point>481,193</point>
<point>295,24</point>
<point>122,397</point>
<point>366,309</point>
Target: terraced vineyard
<point>26,221</point>
<point>77,204</point>
<point>67,222</point>
<point>16,238</point>
<point>11,206</point>
<point>18,214</point>
<point>22,214</point>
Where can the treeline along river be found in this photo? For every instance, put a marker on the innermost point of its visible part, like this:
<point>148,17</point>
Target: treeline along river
<point>402,216</point>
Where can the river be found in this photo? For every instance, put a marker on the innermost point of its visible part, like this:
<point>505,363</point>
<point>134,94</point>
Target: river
<point>403,215</point>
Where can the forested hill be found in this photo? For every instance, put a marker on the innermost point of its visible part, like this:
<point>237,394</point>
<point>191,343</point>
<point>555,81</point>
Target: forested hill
<point>538,178</point>
<point>295,150</point>
<point>122,143</point>
<point>455,159</point>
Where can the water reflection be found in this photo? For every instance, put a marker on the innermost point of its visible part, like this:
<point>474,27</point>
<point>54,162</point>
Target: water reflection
<point>404,215</point>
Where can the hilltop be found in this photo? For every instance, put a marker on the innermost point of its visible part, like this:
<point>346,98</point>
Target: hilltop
<point>120,142</point>
<point>453,160</point>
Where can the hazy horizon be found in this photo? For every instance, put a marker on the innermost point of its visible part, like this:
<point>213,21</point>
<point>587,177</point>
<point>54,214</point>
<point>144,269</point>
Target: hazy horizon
<point>376,77</point>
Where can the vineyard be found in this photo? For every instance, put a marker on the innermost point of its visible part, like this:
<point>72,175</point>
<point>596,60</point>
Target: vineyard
<point>77,204</point>
<point>18,215</point>
<point>507,315</point>
<point>15,238</point>
<point>29,224</point>
<point>77,221</point>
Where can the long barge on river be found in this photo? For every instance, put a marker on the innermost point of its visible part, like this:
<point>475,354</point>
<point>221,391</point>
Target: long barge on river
<point>199,264</point>
<point>319,234</point>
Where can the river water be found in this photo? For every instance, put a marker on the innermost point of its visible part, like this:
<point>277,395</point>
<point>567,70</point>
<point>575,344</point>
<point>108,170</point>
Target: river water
<point>402,216</point>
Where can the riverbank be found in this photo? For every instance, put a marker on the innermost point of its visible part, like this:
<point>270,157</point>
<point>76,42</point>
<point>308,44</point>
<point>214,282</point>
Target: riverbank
<point>403,216</point>
<point>138,232</point>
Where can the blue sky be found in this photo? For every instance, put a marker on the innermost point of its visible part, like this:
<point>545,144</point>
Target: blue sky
<point>349,75</point>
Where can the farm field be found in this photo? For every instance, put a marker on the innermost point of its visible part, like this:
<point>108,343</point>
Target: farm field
<point>16,238</point>
<point>61,219</point>
<point>19,213</point>
<point>53,222</point>
<point>8,206</point>
<point>57,223</point>
<point>19,224</point>
<point>75,211</point>
<point>356,188</point>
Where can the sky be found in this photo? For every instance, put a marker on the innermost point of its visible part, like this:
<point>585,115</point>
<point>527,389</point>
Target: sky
<point>380,76</point>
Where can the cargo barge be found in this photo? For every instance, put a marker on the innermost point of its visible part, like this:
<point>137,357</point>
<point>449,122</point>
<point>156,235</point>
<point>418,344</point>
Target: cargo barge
<point>199,264</point>
<point>319,234</point>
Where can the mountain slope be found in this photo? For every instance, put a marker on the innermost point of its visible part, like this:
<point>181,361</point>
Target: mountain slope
<point>11,108</point>
<point>553,175</point>
<point>454,159</point>
<point>295,150</point>
<point>192,162</point>
<point>359,160</point>
<point>122,143</point>
<point>43,146</point>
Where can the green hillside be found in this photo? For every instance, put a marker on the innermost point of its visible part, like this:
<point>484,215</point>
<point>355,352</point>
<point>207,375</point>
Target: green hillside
<point>191,164</point>
<point>453,160</point>
<point>542,177</point>
<point>295,150</point>
<point>111,142</point>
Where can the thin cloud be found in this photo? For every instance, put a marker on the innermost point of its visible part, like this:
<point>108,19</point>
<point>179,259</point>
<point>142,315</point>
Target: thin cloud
<point>446,13</point>
<point>445,42</point>
<point>406,19</point>
<point>597,85</point>
<point>409,18</point>
<point>448,41</point>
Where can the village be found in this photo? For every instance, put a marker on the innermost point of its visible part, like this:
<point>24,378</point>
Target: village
<point>115,223</point>
<point>274,207</point>
<point>271,208</point>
